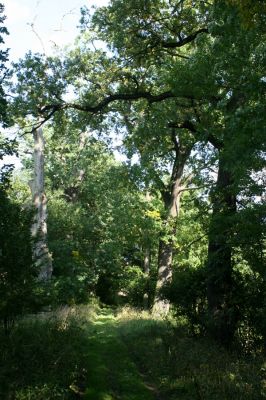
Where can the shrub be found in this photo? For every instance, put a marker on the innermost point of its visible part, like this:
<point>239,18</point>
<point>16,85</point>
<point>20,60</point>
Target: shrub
<point>18,285</point>
<point>134,284</point>
<point>187,293</point>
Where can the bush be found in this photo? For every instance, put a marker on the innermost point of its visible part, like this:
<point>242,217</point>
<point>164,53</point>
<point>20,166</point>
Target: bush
<point>43,356</point>
<point>18,284</point>
<point>249,298</point>
<point>134,284</point>
<point>187,293</point>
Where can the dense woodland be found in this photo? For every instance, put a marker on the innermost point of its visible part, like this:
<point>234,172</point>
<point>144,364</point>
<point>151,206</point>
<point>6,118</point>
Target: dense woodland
<point>140,205</point>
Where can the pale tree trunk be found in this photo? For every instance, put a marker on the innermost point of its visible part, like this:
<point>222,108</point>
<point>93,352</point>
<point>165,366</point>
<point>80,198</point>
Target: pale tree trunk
<point>41,256</point>
<point>171,199</point>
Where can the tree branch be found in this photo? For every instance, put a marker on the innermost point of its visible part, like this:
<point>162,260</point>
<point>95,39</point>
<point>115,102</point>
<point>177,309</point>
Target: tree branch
<point>183,189</point>
<point>175,141</point>
<point>181,42</point>
<point>195,240</point>
<point>121,96</point>
<point>218,144</point>
<point>52,108</point>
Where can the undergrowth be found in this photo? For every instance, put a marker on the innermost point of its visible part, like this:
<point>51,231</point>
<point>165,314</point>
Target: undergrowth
<point>190,368</point>
<point>61,355</point>
<point>44,355</point>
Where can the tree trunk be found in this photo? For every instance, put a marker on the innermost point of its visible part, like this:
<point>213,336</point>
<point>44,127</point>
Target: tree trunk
<point>166,245</point>
<point>222,313</point>
<point>161,306</point>
<point>146,270</point>
<point>146,259</point>
<point>41,255</point>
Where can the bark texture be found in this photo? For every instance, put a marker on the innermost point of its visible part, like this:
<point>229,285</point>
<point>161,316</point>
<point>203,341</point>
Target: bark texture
<point>41,254</point>
<point>171,197</point>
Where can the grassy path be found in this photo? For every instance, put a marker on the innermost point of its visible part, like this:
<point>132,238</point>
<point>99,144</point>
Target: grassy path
<point>87,353</point>
<point>112,375</point>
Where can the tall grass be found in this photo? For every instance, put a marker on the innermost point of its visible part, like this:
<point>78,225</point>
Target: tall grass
<point>44,355</point>
<point>55,356</point>
<point>190,368</point>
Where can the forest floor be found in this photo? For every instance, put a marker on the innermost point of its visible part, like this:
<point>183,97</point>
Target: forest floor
<point>94,353</point>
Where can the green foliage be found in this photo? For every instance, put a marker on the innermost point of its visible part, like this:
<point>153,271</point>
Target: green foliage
<point>134,285</point>
<point>249,295</point>
<point>250,11</point>
<point>187,293</point>
<point>45,75</point>
<point>138,29</point>
<point>7,148</point>
<point>74,273</point>
<point>250,235</point>
<point>96,217</point>
<point>17,284</point>
<point>17,274</point>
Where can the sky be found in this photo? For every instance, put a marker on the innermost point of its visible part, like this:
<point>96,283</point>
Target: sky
<point>39,25</point>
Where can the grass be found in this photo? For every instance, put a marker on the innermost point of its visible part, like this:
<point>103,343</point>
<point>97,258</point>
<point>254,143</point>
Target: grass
<point>186,368</point>
<point>112,373</point>
<point>99,354</point>
<point>42,357</point>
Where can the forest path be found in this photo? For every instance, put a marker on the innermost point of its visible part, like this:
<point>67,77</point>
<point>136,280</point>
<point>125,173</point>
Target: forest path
<point>111,373</point>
